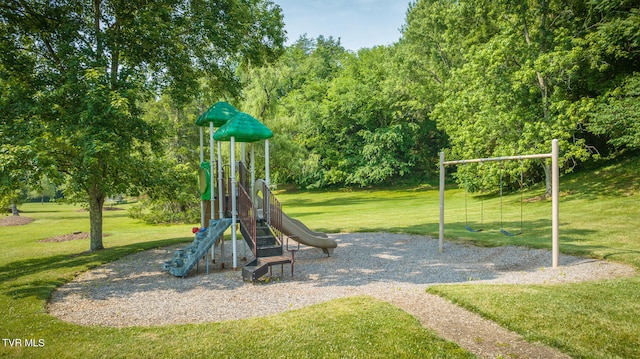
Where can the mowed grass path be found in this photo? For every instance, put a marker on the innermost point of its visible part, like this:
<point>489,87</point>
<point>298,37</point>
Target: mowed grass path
<point>599,213</point>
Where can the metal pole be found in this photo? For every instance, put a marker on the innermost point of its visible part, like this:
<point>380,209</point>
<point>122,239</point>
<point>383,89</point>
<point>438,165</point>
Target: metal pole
<point>267,175</point>
<point>441,236</point>
<point>202,160</point>
<point>253,171</point>
<point>220,200</point>
<point>211,171</point>
<point>234,205</point>
<point>220,186</point>
<point>493,159</point>
<point>555,193</point>
<point>267,179</point>
<point>212,187</point>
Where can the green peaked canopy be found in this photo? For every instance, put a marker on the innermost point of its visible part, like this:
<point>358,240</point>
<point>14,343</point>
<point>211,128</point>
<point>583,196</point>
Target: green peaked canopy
<point>219,114</point>
<point>244,128</point>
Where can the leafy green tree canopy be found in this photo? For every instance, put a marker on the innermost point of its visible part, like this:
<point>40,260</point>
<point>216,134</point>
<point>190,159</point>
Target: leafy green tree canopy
<point>94,62</point>
<point>510,76</point>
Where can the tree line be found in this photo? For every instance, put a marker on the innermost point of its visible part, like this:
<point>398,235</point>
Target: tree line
<point>476,78</point>
<point>100,97</point>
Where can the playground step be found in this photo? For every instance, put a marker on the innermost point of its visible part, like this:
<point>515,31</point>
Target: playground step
<point>268,251</point>
<point>263,230</point>
<point>266,237</point>
<point>266,243</point>
<point>259,267</point>
<point>266,240</point>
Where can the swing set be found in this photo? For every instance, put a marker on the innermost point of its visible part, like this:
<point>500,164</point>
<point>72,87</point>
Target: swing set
<point>555,181</point>
<point>467,225</point>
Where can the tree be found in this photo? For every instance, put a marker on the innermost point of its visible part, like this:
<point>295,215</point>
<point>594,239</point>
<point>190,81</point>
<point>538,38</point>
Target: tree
<point>44,189</point>
<point>505,77</point>
<point>20,164</point>
<point>616,113</point>
<point>506,74</point>
<point>435,43</point>
<point>609,58</point>
<point>97,61</point>
<point>171,194</point>
<point>288,97</point>
<point>366,136</point>
<point>342,118</point>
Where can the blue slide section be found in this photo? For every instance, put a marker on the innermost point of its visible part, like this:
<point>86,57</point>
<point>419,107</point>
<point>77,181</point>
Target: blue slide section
<point>184,259</point>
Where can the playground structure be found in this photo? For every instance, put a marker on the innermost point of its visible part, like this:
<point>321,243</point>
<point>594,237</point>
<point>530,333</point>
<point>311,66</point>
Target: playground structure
<point>555,192</point>
<point>242,202</point>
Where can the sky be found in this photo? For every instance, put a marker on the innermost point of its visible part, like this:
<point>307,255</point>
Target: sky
<point>358,23</point>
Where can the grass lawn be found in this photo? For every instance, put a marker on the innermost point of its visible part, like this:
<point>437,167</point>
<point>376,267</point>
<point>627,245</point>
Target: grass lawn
<point>585,320</point>
<point>599,212</point>
<point>360,327</point>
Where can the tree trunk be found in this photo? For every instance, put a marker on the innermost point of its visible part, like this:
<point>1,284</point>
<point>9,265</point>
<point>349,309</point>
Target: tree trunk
<point>96,201</point>
<point>542,83</point>
<point>14,210</point>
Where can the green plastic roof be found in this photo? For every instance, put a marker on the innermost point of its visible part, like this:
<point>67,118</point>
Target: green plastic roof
<point>244,128</point>
<point>219,114</point>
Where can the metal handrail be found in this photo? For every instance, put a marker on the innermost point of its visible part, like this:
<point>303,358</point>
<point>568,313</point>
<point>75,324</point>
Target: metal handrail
<point>271,207</point>
<point>273,210</point>
<point>247,216</point>
<point>244,176</point>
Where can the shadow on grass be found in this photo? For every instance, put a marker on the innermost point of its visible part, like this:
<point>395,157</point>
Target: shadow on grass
<point>618,178</point>
<point>64,217</point>
<point>37,267</point>
<point>535,234</point>
<point>623,253</point>
<point>301,215</point>
<point>337,201</point>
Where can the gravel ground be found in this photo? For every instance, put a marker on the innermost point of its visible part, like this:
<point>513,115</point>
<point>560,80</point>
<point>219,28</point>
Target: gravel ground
<point>393,267</point>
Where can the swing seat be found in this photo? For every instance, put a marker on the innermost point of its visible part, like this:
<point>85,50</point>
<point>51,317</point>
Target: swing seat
<point>509,234</point>
<point>473,230</point>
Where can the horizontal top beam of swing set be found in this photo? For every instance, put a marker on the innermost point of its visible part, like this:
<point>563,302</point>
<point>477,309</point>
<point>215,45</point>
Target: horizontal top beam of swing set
<point>493,159</point>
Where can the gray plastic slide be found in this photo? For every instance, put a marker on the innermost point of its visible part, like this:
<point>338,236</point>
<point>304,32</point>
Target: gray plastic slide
<point>298,230</point>
<point>302,234</point>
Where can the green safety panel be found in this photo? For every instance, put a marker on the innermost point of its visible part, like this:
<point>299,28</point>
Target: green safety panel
<point>244,128</point>
<point>204,180</point>
<point>219,114</point>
